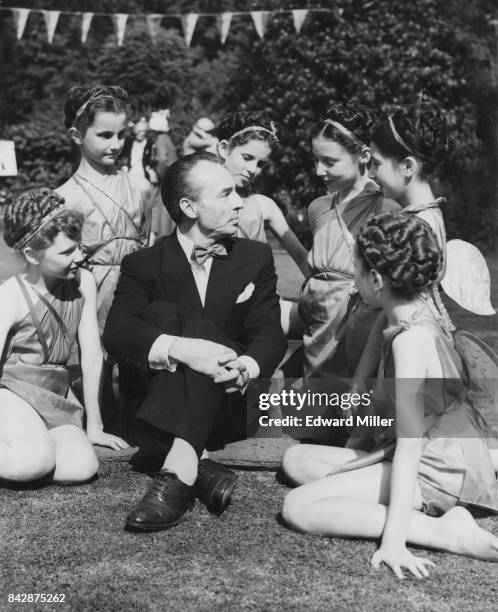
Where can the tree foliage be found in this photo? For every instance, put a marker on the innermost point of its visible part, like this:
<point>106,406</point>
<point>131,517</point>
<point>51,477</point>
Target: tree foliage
<point>378,52</point>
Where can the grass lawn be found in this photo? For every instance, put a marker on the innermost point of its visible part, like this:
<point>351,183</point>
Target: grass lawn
<point>70,540</point>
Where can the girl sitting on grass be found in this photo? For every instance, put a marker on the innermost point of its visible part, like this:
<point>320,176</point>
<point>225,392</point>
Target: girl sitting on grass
<point>41,312</point>
<point>441,463</point>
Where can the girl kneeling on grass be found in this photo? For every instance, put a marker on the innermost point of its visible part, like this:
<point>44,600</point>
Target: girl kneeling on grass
<point>41,312</point>
<point>441,459</point>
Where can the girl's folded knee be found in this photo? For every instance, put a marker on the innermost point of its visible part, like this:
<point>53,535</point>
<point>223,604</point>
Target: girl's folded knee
<point>30,466</point>
<point>291,462</point>
<point>294,511</point>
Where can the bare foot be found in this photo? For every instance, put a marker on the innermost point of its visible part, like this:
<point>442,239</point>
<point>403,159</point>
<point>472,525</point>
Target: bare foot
<point>466,537</point>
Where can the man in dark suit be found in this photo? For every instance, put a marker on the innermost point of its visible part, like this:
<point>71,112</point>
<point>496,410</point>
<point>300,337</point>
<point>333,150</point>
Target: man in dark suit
<point>199,313</point>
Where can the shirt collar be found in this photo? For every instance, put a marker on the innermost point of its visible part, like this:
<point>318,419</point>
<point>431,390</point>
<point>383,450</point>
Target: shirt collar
<point>186,244</point>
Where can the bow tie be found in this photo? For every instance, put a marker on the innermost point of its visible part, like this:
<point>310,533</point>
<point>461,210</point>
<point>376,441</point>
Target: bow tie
<point>200,253</point>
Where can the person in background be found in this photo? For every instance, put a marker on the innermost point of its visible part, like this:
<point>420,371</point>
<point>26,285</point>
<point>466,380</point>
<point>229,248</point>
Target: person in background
<point>201,137</point>
<point>163,155</point>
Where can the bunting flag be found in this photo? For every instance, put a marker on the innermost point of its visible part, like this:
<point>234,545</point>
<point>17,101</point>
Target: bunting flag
<point>188,23</point>
<point>21,17</point>
<point>260,19</point>
<point>153,25</point>
<point>223,21</point>
<point>299,15</point>
<point>119,20</point>
<point>86,20</point>
<point>153,21</point>
<point>51,18</point>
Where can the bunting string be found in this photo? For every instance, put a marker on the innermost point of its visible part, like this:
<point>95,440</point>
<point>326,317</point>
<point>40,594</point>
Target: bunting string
<point>188,22</point>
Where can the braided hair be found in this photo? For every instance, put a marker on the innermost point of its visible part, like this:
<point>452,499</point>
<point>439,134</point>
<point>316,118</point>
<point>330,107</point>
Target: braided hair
<point>402,248</point>
<point>27,212</point>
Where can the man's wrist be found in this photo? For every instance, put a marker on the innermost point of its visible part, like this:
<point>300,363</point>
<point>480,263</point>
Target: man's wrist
<point>160,356</point>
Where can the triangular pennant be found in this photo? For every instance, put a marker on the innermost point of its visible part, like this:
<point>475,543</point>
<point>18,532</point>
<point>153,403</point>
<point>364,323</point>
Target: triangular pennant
<point>21,17</point>
<point>119,20</point>
<point>223,21</point>
<point>299,15</point>
<point>86,20</point>
<point>260,19</point>
<point>51,18</point>
<point>153,25</point>
<point>188,23</point>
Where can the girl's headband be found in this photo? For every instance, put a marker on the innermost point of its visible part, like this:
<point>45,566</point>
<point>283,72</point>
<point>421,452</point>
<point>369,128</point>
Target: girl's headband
<point>22,242</point>
<point>400,141</point>
<point>348,133</point>
<point>97,94</point>
<point>259,128</point>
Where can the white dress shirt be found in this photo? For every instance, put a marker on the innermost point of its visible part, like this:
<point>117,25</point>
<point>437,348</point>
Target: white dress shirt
<point>159,351</point>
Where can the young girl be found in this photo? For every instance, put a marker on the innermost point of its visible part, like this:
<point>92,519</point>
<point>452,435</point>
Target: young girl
<point>41,312</point>
<point>109,200</point>
<point>441,461</point>
<point>246,141</point>
<point>406,151</point>
<point>342,155</point>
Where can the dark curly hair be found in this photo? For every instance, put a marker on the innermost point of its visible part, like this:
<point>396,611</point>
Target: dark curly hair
<point>404,249</point>
<point>84,102</point>
<point>357,118</point>
<point>423,130</point>
<point>231,124</point>
<point>27,212</point>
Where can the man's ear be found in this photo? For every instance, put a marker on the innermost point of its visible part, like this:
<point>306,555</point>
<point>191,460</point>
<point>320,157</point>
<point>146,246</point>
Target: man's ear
<point>76,136</point>
<point>223,147</point>
<point>188,207</point>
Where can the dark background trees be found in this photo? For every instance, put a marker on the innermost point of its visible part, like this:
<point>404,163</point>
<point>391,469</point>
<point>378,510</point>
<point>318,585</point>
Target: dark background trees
<point>379,52</point>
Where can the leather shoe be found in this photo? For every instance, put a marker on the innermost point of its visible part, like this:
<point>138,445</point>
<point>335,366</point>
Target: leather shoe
<point>164,504</point>
<point>214,485</point>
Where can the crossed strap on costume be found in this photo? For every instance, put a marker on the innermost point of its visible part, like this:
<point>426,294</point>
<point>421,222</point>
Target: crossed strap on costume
<point>200,254</point>
<point>36,322</point>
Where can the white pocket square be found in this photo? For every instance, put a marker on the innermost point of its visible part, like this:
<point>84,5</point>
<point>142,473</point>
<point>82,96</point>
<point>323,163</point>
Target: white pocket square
<point>246,293</point>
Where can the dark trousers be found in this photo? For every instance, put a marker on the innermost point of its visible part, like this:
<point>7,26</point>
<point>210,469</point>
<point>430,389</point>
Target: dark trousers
<point>184,404</point>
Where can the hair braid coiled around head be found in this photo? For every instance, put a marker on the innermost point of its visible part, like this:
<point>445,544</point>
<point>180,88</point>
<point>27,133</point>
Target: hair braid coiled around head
<point>402,248</point>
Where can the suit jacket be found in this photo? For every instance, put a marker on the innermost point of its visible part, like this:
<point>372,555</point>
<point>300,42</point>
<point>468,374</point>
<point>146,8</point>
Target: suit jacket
<point>162,273</point>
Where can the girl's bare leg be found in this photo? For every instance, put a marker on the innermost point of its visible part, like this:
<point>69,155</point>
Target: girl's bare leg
<point>26,450</point>
<point>304,463</point>
<point>75,459</point>
<point>354,504</point>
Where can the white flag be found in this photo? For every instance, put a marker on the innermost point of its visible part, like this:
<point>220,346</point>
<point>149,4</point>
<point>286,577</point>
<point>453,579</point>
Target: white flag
<point>119,20</point>
<point>224,20</point>
<point>21,17</point>
<point>188,22</point>
<point>51,19</point>
<point>86,20</point>
<point>153,25</point>
<point>299,15</point>
<point>260,19</point>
